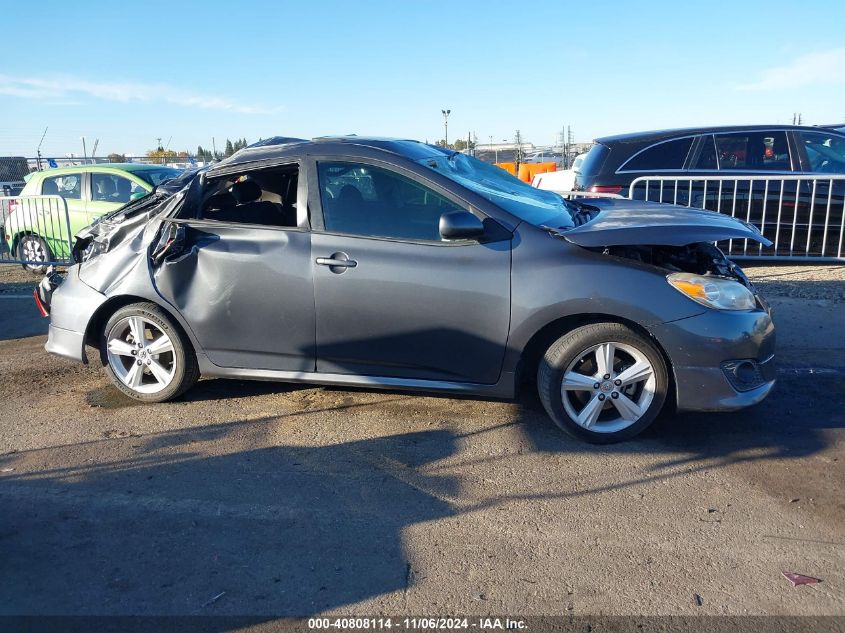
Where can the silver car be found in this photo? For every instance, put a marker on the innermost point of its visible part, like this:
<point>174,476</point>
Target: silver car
<point>395,264</point>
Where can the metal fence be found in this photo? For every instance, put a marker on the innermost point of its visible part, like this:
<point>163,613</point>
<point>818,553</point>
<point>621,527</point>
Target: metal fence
<point>37,230</point>
<point>804,216</point>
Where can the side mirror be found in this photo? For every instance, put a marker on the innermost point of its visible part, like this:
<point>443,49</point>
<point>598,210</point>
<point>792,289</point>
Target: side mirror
<point>460,225</point>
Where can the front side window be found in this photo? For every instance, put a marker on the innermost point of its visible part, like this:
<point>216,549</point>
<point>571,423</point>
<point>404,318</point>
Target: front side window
<point>753,151</point>
<point>825,152</point>
<point>364,200</point>
<point>68,186</point>
<point>663,156</point>
<point>113,188</point>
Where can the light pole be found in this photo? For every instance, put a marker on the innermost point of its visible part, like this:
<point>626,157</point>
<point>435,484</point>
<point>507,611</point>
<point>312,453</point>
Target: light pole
<point>446,114</point>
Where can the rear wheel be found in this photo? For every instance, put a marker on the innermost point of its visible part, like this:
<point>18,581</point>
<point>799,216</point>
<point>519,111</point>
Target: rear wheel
<point>147,356</point>
<point>603,382</point>
<point>32,248</point>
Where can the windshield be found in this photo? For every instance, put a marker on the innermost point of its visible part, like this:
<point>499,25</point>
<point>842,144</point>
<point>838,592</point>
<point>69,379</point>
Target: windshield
<point>535,206</point>
<point>157,176</point>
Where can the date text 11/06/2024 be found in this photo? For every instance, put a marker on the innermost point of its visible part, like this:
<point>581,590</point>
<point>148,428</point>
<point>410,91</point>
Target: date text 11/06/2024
<point>481,624</point>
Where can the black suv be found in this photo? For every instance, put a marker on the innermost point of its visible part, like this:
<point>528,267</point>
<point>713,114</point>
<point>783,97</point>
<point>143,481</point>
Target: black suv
<point>802,218</point>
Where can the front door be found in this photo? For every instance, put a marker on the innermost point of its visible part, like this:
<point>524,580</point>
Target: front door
<point>392,298</point>
<point>109,191</point>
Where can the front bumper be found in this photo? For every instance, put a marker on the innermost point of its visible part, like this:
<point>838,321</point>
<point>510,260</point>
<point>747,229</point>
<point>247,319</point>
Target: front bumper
<point>72,305</point>
<point>700,348</point>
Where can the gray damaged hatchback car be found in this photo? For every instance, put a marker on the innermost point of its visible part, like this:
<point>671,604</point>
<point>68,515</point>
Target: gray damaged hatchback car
<point>395,264</point>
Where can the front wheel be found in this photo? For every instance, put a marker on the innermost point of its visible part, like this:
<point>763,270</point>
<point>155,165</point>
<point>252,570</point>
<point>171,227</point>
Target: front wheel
<point>147,357</point>
<point>603,382</point>
<point>32,248</point>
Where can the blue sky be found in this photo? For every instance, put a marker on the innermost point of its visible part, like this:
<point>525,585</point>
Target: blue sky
<point>129,73</point>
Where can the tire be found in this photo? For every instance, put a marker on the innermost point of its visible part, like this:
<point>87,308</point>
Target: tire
<point>34,248</point>
<point>158,368</point>
<point>609,412</point>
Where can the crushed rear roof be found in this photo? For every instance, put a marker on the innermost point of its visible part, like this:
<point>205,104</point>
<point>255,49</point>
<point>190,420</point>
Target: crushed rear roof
<point>280,146</point>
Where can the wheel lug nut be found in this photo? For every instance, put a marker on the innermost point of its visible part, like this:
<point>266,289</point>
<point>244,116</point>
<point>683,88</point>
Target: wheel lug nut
<point>614,395</point>
<point>134,352</point>
<point>601,396</point>
<point>607,376</point>
<point>597,385</point>
<point>617,382</point>
<point>140,362</point>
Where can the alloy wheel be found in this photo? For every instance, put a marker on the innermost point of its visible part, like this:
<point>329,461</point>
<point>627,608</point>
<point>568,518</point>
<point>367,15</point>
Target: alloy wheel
<point>141,355</point>
<point>608,387</point>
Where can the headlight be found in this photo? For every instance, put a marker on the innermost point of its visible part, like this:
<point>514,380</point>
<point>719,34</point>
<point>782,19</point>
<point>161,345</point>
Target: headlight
<point>713,292</point>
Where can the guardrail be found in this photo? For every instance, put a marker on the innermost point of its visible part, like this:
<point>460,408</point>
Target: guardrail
<point>804,216</point>
<point>36,231</point>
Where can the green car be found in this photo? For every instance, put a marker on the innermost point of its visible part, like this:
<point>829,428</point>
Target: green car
<point>37,230</point>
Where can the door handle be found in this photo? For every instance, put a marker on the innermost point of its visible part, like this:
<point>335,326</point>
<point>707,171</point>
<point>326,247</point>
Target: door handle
<point>337,260</point>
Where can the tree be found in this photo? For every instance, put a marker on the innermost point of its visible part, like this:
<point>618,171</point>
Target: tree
<point>442,143</point>
<point>230,149</point>
<point>117,158</point>
<point>461,145</point>
<point>161,155</point>
<point>204,154</point>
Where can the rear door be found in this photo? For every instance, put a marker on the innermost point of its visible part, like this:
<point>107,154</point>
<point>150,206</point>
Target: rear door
<point>822,156</point>
<point>392,298</point>
<point>71,187</point>
<point>242,277</point>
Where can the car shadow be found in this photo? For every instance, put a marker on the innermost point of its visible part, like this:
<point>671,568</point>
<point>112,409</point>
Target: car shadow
<point>158,525</point>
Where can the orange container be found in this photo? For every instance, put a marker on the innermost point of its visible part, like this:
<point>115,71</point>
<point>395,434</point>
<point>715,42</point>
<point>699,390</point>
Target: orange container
<point>508,167</point>
<point>525,172</point>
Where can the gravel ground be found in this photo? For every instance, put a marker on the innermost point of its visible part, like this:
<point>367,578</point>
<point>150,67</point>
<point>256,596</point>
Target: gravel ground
<point>292,499</point>
<point>816,281</point>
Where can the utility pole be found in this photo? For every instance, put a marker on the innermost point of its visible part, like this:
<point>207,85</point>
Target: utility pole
<point>517,139</point>
<point>446,114</point>
<point>214,148</point>
<point>84,152</point>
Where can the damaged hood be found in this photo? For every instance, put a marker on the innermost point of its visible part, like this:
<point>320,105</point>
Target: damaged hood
<point>619,222</point>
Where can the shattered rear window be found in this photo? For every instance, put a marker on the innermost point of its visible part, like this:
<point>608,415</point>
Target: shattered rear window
<point>535,206</point>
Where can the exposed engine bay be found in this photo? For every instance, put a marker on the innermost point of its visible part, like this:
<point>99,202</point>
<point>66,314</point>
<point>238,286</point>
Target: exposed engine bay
<point>701,258</point>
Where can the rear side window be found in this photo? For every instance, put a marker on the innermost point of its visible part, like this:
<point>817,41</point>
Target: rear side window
<point>753,151</point>
<point>825,152</point>
<point>662,156</point>
<point>68,186</point>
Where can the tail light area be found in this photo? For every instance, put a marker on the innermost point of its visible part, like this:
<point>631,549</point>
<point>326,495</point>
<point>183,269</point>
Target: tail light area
<point>605,189</point>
